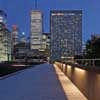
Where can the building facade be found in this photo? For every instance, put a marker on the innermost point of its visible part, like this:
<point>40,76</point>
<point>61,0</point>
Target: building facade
<point>14,40</point>
<point>66,33</point>
<point>15,34</point>
<point>45,41</point>
<point>36,30</point>
<point>46,44</point>
<point>3,17</point>
<point>5,43</point>
<point>20,51</point>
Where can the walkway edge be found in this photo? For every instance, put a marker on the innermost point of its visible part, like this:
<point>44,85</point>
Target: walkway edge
<point>71,91</point>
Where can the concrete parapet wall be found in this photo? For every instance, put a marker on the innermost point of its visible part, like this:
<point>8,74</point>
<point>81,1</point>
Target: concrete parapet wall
<point>86,79</point>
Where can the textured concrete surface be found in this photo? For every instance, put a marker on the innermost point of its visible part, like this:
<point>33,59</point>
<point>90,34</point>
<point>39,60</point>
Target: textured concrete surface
<point>39,83</point>
<point>43,82</point>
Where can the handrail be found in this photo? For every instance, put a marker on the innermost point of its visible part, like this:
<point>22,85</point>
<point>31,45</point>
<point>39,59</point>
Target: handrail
<point>87,59</point>
<point>84,62</point>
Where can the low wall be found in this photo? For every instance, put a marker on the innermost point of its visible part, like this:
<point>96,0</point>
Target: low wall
<point>86,79</point>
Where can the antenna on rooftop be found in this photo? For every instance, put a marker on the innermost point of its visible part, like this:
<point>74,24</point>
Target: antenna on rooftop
<point>35,4</point>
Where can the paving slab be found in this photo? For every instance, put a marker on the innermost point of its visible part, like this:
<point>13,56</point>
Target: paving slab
<point>43,82</point>
<point>38,83</point>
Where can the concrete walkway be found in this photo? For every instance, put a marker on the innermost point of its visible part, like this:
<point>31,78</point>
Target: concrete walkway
<point>38,83</point>
<point>71,91</point>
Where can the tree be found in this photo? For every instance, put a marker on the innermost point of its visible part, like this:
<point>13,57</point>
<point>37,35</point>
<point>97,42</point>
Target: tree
<point>93,48</point>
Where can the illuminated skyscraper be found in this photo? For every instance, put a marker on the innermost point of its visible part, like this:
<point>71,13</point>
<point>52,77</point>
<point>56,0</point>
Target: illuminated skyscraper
<point>36,30</point>
<point>15,34</point>
<point>5,38</point>
<point>66,33</point>
<point>5,43</point>
<point>15,40</point>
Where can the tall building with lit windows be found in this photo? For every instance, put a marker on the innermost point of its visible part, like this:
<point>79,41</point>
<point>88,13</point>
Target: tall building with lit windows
<point>5,43</point>
<point>15,34</point>
<point>5,38</point>
<point>36,30</point>
<point>15,40</point>
<point>66,33</point>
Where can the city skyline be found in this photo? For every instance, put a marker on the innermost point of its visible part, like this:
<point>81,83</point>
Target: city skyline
<point>19,13</point>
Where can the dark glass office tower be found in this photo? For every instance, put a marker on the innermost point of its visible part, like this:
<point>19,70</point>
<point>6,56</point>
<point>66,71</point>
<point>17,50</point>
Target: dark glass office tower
<point>66,33</point>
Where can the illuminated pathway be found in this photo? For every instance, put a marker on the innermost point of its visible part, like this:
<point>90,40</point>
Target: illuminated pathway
<point>39,83</point>
<point>71,91</point>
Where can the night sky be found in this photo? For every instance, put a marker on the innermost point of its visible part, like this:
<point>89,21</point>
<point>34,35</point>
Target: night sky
<point>18,12</point>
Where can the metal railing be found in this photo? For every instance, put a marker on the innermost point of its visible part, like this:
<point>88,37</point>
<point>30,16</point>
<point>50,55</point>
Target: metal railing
<point>83,62</point>
<point>88,62</point>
